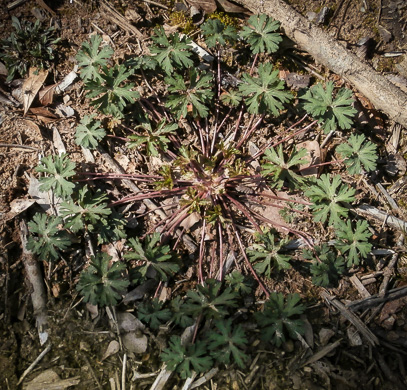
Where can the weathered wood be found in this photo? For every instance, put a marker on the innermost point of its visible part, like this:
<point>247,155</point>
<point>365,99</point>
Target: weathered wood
<point>384,95</point>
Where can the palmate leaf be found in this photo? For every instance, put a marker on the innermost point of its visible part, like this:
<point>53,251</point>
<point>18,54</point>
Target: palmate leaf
<point>47,239</point>
<point>154,138</point>
<point>327,267</point>
<point>279,171</point>
<point>59,168</point>
<point>237,282</point>
<point>275,318</point>
<point>100,284</point>
<point>91,59</point>
<point>172,51</point>
<point>331,112</point>
<point>179,315</point>
<point>153,314</point>
<point>358,153</point>
<point>327,197</point>
<point>208,301</point>
<point>217,34</point>
<point>265,254</point>
<point>231,98</point>
<point>184,359</point>
<point>227,343</point>
<point>109,229</point>
<point>264,93</point>
<point>154,255</point>
<point>196,93</point>
<point>260,34</point>
<point>87,209</point>
<point>89,132</point>
<point>113,95</point>
<point>353,241</point>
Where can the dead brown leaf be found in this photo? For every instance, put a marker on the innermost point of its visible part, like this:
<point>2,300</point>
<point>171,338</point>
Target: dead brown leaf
<point>32,85</point>
<point>231,7</point>
<point>314,156</point>
<point>43,114</point>
<point>208,6</point>
<point>46,95</point>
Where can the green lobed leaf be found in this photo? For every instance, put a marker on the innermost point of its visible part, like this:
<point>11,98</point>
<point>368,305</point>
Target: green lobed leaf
<point>279,171</point>
<point>112,91</point>
<point>59,168</point>
<point>328,196</point>
<point>87,209</point>
<point>275,318</point>
<point>265,254</point>
<point>172,51</point>
<point>154,256</point>
<point>358,153</point>
<point>353,241</point>
<point>330,112</point>
<point>91,59</point>
<point>47,238</point>
<point>264,93</point>
<point>152,313</point>
<point>217,34</point>
<point>89,132</point>
<point>228,342</point>
<point>260,34</point>
<point>196,93</point>
<point>184,359</point>
<point>208,301</point>
<point>326,267</point>
<point>100,284</point>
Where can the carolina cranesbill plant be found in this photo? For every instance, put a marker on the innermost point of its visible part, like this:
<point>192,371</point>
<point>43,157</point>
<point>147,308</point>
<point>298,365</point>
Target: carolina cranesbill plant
<point>213,175</point>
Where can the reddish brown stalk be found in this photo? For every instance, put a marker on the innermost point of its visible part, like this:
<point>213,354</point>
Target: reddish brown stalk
<point>201,253</point>
<point>250,132</point>
<point>181,217</point>
<point>288,200</point>
<point>220,251</point>
<point>256,201</point>
<point>150,195</point>
<point>125,139</point>
<point>273,144</point>
<point>128,176</point>
<point>165,221</point>
<point>242,249</point>
<point>322,164</point>
<point>304,236</point>
<point>244,210</point>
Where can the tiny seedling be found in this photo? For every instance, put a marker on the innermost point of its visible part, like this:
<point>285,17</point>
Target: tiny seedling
<point>153,314</point>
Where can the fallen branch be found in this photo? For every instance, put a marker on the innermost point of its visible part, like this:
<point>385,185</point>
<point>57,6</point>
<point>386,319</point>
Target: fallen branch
<point>377,299</point>
<point>38,294</point>
<point>351,317</point>
<point>384,95</point>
